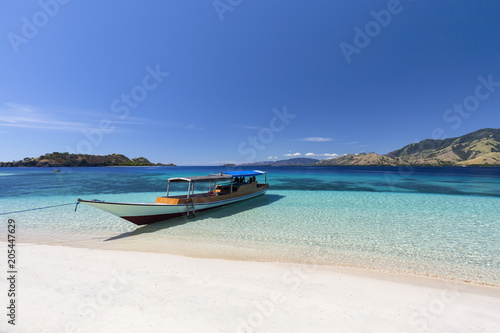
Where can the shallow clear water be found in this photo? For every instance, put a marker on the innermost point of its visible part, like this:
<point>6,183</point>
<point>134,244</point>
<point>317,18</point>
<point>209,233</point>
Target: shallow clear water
<point>435,221</point>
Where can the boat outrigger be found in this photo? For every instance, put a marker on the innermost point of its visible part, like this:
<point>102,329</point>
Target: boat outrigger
<point>223,189</point>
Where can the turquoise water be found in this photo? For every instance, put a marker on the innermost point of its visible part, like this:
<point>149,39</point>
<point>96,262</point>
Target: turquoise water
<point>432,221</point>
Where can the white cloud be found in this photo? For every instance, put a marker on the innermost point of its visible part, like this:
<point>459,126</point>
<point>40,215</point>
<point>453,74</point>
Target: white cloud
<point>316,139</point>
<point>23,116</point>
<point>295,154</point>
<point>19,116</point>
<point>322,155</point>
<point>349,143</point>
<point>194,127</point>
<point>272,157</point>
<point>247,127</point>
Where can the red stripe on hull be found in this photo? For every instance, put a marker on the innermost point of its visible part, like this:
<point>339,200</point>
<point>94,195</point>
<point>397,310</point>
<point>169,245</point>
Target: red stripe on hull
<point>149,219</point>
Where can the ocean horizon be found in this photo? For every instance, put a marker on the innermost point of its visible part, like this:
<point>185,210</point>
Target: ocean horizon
<point>434,221</point>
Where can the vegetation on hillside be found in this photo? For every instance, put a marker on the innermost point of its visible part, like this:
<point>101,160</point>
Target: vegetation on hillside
<point>479,148</point>
<point>57,159</point>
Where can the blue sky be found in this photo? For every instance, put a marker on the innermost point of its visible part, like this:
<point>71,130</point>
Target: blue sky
<point>209,82</point>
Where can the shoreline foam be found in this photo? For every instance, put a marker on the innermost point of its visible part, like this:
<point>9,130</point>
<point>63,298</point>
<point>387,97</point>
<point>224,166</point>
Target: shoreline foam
<point>205,249</point>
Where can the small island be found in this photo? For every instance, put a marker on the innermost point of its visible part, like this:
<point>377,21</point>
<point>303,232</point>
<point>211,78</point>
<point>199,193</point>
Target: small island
<point>57,159</point>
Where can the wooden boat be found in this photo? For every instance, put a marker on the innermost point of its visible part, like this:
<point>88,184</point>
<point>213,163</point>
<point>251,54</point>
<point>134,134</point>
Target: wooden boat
<point>223,189</point>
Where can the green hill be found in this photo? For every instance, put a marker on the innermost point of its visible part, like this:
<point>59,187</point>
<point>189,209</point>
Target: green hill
<point>80,160</point>
<point>481,148</point>
<point>359,159</point>
<point>477,148</point>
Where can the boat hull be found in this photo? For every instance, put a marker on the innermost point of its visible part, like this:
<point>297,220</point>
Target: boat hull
<point>147,213</point>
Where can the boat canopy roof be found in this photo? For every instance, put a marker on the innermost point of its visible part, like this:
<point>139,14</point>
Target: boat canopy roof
<point>218,177</point>
<point>246,173</point>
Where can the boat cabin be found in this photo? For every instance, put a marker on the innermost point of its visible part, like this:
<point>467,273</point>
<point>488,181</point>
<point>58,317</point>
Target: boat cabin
<point>230,184</point>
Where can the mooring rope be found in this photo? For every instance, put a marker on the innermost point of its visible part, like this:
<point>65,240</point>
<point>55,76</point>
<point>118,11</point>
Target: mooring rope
<point>27,210</point>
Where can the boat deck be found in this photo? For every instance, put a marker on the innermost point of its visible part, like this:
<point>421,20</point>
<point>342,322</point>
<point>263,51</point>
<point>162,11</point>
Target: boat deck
<point>222,192</point>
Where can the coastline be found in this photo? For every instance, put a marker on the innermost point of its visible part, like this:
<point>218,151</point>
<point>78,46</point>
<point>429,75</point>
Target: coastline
<point>101,290</point>
<point>274,166</point>
<point>253,252</point>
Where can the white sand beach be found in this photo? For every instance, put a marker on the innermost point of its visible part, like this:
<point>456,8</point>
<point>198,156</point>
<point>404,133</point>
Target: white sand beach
<point>64,289</point>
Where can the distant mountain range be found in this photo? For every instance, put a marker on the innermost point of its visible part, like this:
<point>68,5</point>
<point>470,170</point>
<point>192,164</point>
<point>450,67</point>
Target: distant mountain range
<point>479,148</point>
<point>80,160</point>
<point>290,162</point>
